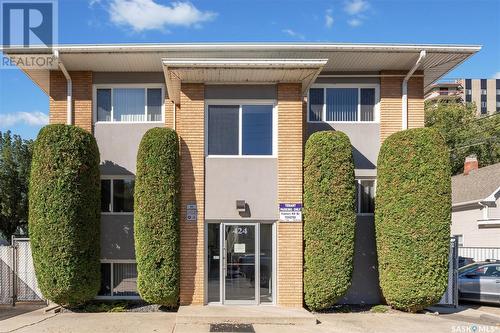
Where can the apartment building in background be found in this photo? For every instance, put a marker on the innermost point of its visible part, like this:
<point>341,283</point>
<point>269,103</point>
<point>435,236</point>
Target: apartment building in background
<point>243,112</point>
<point>485,93</point>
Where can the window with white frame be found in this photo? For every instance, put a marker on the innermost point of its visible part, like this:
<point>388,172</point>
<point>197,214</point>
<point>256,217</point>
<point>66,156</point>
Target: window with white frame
<point>365,196</point>
<point>118,279</point>
<point>240,130</point>
<point>460,240</point>
<point>129,104</point>
<point>117,195</point>
<point>343,103</point>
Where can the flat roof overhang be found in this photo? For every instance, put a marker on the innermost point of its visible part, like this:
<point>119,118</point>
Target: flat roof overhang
<point>238,71</point>
<point>342,58</point>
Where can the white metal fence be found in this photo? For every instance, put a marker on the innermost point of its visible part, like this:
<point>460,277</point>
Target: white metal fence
<point>18,281</point>
<point>450,297</point>
<point>480,253</point>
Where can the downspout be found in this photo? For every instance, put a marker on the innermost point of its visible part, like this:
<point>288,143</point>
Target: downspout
<point>405,89</point>
<point>175,107</point>
<point>69,89</point>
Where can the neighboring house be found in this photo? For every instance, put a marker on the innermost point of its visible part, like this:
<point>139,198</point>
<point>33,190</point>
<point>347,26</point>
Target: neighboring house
<point>444,91</point>
<point>485,93</point>
<point>243,113</point>
<point>476,205</point>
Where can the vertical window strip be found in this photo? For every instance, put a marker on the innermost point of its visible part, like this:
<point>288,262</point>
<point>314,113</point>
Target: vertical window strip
<point>316,102</point>
<point>342,104</point>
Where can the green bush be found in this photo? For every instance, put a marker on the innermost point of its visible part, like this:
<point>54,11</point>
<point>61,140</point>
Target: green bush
<point>329,218</point>
<point>156,225</point>
<point>412,218</point>
<point>64,218</point>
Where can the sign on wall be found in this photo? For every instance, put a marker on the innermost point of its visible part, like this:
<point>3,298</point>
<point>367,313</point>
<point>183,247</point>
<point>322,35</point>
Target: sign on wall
<point>191,213</point>
<point>291,212</point>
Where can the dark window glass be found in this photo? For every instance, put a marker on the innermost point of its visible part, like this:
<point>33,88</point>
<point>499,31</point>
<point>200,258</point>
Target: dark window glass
<point>154,104</point>
<point>223,132</point>
<point>367,104</point>
<point>468,84</point>
<point>128,104</point>
<point>468,98</point>
<point>498,83</point>
<point>341,104</point>
<point>103,104</point>
<point>483,84</point>
<point>316,100</point>
<point>257,130</point>
<point>484,105</point>
<point>105,195</point>
<point>266,263</point>
<point>357,196</point>
<point>105,289</point>
<point>367,196</point>
<point>123,195</point>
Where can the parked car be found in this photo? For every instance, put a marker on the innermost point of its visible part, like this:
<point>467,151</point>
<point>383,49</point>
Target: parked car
<point>480,282</point>
<point>464,261</point>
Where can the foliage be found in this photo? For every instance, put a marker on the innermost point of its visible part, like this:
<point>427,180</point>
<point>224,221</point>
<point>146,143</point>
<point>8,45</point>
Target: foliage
<point>157,217</point>
<point>464,133</point>
<point>15,163</point>
<point>329,218</point>
<point>379,308</point>
<point>64,220</point>
<point>412,218</point>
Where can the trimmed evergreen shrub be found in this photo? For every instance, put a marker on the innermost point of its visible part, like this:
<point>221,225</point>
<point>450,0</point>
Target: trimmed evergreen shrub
<point>64,218</point>
<point>156,218</point>
<point>329,218</point>
<point>412,218</point>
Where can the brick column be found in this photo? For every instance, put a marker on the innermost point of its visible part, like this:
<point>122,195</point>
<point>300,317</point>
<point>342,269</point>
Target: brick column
<point>290,155</point>
<point>82,99</point>
<point>190,126</point>
<point>390,102</point>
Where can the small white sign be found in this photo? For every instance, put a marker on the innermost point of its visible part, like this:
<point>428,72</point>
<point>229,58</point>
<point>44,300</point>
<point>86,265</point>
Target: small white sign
<point>239,248</point>
<point>290,212</point>
<point>191,213</point>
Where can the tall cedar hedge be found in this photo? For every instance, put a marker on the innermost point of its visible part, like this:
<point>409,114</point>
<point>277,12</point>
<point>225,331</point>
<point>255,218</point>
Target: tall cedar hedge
<point>64,218</point>
<point>156,216</point>
<point>412,218</point>
<point>329,218</point>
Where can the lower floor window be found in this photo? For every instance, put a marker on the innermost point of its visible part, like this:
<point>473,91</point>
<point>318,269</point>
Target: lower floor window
<point>118,279</point>
<point>365,196</point>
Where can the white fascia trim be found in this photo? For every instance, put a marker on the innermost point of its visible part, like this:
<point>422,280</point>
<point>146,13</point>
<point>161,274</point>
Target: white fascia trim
<point>159,47</point>
<point>492,196</point>
<point>245,63</point>
<point>69,89</point>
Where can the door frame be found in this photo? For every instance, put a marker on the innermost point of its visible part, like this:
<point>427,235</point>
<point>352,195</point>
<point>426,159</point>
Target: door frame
<point>222,256</point>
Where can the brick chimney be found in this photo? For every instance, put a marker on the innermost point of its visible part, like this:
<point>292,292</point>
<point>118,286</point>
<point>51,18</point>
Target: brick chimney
<point>470,164</point>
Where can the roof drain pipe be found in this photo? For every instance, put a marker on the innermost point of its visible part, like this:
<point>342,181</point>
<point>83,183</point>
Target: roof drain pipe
<point>405,89</point>
<point>69,89</point>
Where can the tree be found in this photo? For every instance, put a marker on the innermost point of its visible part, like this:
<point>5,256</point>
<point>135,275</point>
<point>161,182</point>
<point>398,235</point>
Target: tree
<point>329,218</point>
<point>65,209</point>
<point>156,218</point>
<point>15,163</point>
<point>464,133</point>
<point>413,217</point>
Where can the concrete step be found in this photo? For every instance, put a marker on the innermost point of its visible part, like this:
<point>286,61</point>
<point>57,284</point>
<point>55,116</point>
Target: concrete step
<point>200,315</point>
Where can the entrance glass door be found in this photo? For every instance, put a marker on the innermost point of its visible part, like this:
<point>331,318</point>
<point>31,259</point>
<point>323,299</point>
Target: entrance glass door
<point>240,267</point>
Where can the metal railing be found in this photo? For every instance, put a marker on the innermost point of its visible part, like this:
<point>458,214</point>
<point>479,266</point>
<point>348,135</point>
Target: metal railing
<point>480,253</point>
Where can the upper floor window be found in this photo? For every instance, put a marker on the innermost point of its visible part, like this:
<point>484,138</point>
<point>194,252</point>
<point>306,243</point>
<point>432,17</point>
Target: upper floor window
<point>343,103</point>
<point>240,130</point>
<point>365,196</point>
<point>117,195</point>
<point>129,104</point>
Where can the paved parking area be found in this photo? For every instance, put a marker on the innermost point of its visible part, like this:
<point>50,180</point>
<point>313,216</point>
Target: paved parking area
<point>464,320</point>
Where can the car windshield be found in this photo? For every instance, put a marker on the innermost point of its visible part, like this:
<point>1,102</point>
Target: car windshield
<point>468,267</point>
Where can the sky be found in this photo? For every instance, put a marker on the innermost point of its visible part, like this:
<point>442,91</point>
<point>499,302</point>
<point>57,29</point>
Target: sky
<point>24,107</point>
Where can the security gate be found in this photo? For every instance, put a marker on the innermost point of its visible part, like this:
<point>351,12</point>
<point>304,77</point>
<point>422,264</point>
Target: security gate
<point>17,274</point>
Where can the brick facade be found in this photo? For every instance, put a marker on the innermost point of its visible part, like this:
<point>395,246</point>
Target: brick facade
<point>82,99</point>
<point>391,104</point>
<point>290,154</point>
<point>190,125</point>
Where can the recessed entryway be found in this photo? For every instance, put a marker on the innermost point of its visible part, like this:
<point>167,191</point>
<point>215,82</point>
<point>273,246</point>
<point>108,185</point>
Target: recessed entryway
<point>240,259</point>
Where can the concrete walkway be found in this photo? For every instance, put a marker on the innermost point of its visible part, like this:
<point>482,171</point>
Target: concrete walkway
<point>463,320</point>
